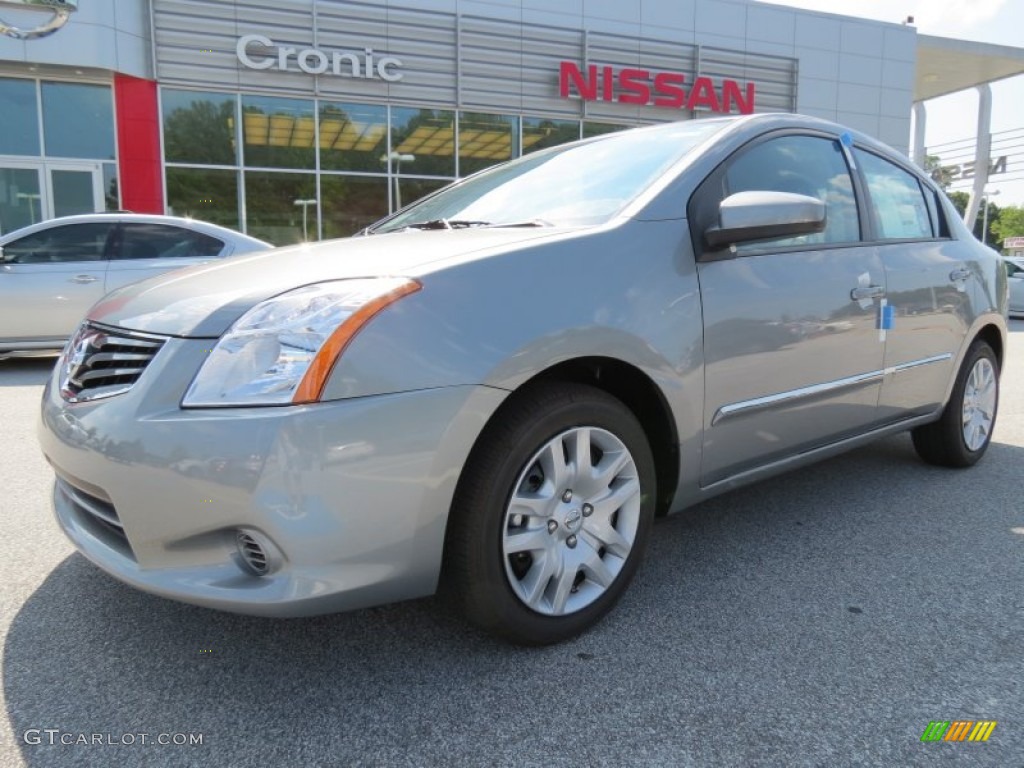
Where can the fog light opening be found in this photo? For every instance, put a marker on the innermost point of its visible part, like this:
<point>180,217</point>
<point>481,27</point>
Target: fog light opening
<point>256,553</point>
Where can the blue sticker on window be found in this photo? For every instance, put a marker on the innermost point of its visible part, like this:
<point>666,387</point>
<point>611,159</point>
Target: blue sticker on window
<point>846,139</point>
<point>886,317</point>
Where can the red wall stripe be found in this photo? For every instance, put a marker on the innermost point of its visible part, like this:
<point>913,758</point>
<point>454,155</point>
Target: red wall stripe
<point>138,144</point>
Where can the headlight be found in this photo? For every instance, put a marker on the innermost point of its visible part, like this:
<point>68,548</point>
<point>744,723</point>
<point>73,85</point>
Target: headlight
<point>282,350</point>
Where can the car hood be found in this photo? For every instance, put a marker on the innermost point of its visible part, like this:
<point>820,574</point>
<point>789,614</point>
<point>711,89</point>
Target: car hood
<point>204,301</point>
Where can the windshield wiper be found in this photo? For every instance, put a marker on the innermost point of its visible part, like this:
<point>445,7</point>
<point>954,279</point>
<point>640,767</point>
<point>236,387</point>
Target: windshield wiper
<point>460,224</point>
<point>467,223</point>
<point>529,223</point>
<point>447,224</point>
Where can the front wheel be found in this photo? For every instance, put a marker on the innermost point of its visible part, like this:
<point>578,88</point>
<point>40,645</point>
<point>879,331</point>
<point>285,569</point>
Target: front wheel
<point>551,515</point>
<point>962,434</point>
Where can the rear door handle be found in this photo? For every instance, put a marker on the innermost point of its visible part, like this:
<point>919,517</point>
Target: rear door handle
<point>867,292</point>
<point>84,279</point>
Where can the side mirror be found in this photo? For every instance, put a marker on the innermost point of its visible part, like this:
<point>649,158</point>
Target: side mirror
<point>764,215</point>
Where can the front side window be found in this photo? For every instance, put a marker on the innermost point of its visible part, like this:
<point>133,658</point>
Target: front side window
<point>60,245</point>
<point>897,202</point>
<point>805,165</point>
<point>160,241</point>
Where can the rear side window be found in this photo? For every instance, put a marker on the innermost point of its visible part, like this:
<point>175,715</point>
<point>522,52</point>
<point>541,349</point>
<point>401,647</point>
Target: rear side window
<point>62,245</point>
<point>162,241</point>
<point>898,204</point>
<point>806,165</point>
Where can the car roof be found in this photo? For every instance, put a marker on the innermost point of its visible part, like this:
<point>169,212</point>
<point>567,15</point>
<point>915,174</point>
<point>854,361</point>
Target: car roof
<point>144,218</point>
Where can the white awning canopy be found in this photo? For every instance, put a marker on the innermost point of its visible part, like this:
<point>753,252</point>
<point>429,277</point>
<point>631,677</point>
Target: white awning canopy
<point>945,65</point>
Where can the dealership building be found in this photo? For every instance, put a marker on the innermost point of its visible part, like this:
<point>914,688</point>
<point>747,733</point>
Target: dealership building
<point>308,119</point>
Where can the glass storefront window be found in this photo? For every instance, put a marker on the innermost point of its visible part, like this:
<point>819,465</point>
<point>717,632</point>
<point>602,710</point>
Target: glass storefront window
<point>20,134</point>
<point>410,190</point>
<point>73,191</point>
<point>599,129</point>
<point>199,127</point>
<point>353,137</point>
<point>111,196</point>
<point>485,140</point>
<point>78,120</point>
<point>423,141</point>
<point>542,132</point>
<point>20,201</point>
<point>351,203</point>
<point>276,209</point>
<point>207,194</point>
<point>278,133</point>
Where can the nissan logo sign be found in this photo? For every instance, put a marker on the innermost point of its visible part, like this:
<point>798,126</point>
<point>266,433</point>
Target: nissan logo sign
<point>58,10</point>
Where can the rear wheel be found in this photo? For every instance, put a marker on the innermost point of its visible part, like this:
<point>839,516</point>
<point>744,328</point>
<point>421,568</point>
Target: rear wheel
<point>551,516</point>
<point>962,435</point>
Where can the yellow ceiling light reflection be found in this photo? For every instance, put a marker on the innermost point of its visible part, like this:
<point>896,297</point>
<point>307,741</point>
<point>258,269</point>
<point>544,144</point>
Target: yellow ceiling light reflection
<point>281,130</point>
<point>490,145</point>
<point>529,141</point>
<point>429,140</point>
<point>300,132</point>
<point>303,132</point>
<point>337,132</point>
<point>343,134</point>
<point>256,128</point>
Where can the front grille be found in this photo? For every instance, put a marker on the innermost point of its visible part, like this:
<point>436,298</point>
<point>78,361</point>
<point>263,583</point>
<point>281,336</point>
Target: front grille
<point>100,362</point>
<point>98,516</point>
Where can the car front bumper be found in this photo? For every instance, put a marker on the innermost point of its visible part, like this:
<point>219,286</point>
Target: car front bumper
<point>349,498</point>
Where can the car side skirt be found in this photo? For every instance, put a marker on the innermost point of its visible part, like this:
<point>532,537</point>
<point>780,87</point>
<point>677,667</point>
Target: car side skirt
<point>689,497</point>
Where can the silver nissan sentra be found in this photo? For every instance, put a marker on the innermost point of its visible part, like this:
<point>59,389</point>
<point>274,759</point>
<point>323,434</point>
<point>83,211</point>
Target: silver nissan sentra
<point>495,391</point>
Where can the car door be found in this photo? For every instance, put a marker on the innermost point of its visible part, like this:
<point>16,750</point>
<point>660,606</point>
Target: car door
<point>792,352</point>
<point>145,249</point>
<point>928,278</point>
<point>49,279</point>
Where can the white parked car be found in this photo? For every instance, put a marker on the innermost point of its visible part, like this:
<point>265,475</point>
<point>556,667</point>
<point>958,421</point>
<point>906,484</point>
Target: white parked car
<point>1015,279</point>
<point>52,272</point>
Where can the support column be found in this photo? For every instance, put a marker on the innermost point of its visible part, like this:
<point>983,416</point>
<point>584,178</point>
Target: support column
<point>920,121</point>
<point>138,144</point>
<point>981,154</point>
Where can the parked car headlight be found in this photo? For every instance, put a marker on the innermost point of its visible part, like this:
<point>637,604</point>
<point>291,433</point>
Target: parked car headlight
<point>282,350</point>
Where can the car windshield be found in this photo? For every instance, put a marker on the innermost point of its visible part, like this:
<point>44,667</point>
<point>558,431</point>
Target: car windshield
<point>574,185</point>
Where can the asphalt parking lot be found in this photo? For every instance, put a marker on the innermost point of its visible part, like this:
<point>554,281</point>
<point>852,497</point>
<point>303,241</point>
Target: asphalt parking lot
<point>821,618</point>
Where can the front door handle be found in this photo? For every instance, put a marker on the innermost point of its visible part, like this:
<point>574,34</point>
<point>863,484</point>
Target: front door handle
<point>959,274</point>
<point>867,292</point>
<point>84,279</point>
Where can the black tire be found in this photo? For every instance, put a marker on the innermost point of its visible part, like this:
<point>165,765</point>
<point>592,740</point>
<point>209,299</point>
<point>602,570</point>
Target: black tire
<point>943,442</point>
<point>486,584</point>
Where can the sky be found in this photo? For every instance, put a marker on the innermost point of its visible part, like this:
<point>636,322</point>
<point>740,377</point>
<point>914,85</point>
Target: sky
<point>954,117</point>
